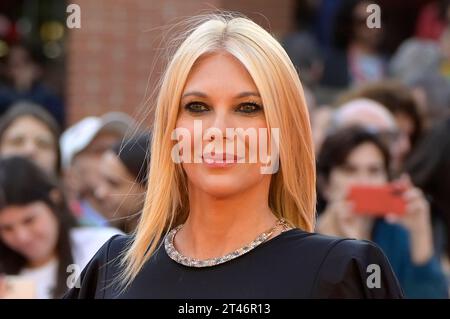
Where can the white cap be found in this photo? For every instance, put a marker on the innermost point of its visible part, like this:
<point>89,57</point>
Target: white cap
<point>77,137</point>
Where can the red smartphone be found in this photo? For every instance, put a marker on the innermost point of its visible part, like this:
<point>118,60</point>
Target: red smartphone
<point>377,201</point>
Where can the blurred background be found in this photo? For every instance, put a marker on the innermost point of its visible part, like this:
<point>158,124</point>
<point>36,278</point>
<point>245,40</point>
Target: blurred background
<point>106,64</point>
<point>90,70</point>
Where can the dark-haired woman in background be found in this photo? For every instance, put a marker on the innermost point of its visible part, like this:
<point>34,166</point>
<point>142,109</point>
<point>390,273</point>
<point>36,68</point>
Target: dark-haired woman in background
<point>38,234</point>
<point>123,181</point>
<point>356,156</point>
<point>28,130</point>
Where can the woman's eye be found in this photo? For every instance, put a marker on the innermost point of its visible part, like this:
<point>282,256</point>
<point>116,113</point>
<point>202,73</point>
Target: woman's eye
<point>16,141</point>
<point>44,143</point>
<point>348,169</point>
<point>112,183</point>
<point>28,221</point>
<point>196,107</point>
<point>249,108</point>
<point>376,170</point>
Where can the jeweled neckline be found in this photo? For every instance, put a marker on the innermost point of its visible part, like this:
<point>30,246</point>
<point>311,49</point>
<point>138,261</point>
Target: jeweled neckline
<point>175,255</point>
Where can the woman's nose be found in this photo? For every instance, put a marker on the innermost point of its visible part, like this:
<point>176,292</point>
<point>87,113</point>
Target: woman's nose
<point>21,235</point>
<point>218,127</point>
<point>30,149</point>
<point>101,192</point>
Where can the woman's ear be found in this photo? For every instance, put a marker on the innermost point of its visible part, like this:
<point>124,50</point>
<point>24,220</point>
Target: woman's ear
<point>55,196</point>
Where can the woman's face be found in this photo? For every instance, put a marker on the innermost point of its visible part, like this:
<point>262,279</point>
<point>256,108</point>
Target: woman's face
<point>30,138</point>
<point>406,127</point>
<point>30,230</point>
<point>118,191</point>
<point>221,94</point>
<point>364,166</point>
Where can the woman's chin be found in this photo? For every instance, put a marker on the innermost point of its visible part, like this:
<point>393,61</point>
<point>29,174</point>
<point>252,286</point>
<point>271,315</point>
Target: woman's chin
<point>221,186</point>
<point>222,183</point>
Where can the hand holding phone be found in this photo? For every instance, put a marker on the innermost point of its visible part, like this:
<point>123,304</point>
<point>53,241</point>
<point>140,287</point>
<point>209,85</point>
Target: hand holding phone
<point>15,287</point>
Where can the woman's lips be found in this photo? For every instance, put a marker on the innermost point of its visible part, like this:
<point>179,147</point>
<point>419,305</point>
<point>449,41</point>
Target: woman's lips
<point>220,159</point>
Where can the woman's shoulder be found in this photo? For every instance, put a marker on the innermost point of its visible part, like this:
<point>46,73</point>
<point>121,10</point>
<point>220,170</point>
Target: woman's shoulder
<point>117,245</point>
<point>329,249</point>
<point>328,245</point>
<point>100,270</point>
<point>344,267</point>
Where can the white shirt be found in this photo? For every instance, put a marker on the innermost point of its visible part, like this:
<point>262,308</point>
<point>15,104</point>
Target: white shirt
<point>86,241</point>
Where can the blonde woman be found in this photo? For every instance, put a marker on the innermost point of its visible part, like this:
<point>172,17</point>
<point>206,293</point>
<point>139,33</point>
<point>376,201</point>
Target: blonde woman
<point>217,224</point>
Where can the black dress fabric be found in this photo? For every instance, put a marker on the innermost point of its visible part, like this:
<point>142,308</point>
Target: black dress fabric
<point>294,264</point>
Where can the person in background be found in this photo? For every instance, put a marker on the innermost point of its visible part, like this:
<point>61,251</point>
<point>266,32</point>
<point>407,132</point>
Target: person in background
<point>28,130</point>
<point>82,146</point>
<point>39,237</point>
<point>432,91</point>
<point>399,100</point>
<point>418,64</point>
<point>432,19</point>
<point>356,156</point>
<point>413,58</point>
<point>356,58</point>
<point>23,73</point>
<point>301,45</point>
<point>320,118</point>
<point>123,182</point>
<point>429,167</point>
<point>375,116</point>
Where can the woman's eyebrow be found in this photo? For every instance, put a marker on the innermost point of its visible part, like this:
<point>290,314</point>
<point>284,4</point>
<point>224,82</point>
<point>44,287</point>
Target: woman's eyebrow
<point>201,94</point>
<point>245,94</point>
<point>194,93</point>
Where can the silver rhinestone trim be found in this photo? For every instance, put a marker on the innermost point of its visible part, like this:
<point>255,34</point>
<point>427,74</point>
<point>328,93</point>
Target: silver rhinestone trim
<point>192,262</point>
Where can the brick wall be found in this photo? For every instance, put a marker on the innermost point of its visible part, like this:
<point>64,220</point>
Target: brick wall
<point>112,58</point>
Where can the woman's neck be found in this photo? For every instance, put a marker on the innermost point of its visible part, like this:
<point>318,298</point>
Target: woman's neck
<point>32,264</point>
<point>217,226</point>
<point>362,48</point>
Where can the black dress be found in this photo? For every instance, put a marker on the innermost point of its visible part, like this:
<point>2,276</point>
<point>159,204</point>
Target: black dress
<point>294,264</point>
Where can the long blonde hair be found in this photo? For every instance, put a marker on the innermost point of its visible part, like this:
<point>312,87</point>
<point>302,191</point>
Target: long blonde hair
<point>292,190</point>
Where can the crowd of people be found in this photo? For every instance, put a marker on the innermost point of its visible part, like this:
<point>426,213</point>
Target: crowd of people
<point>376,120</point>
<point>380,119</point>
<point>63,196</point>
